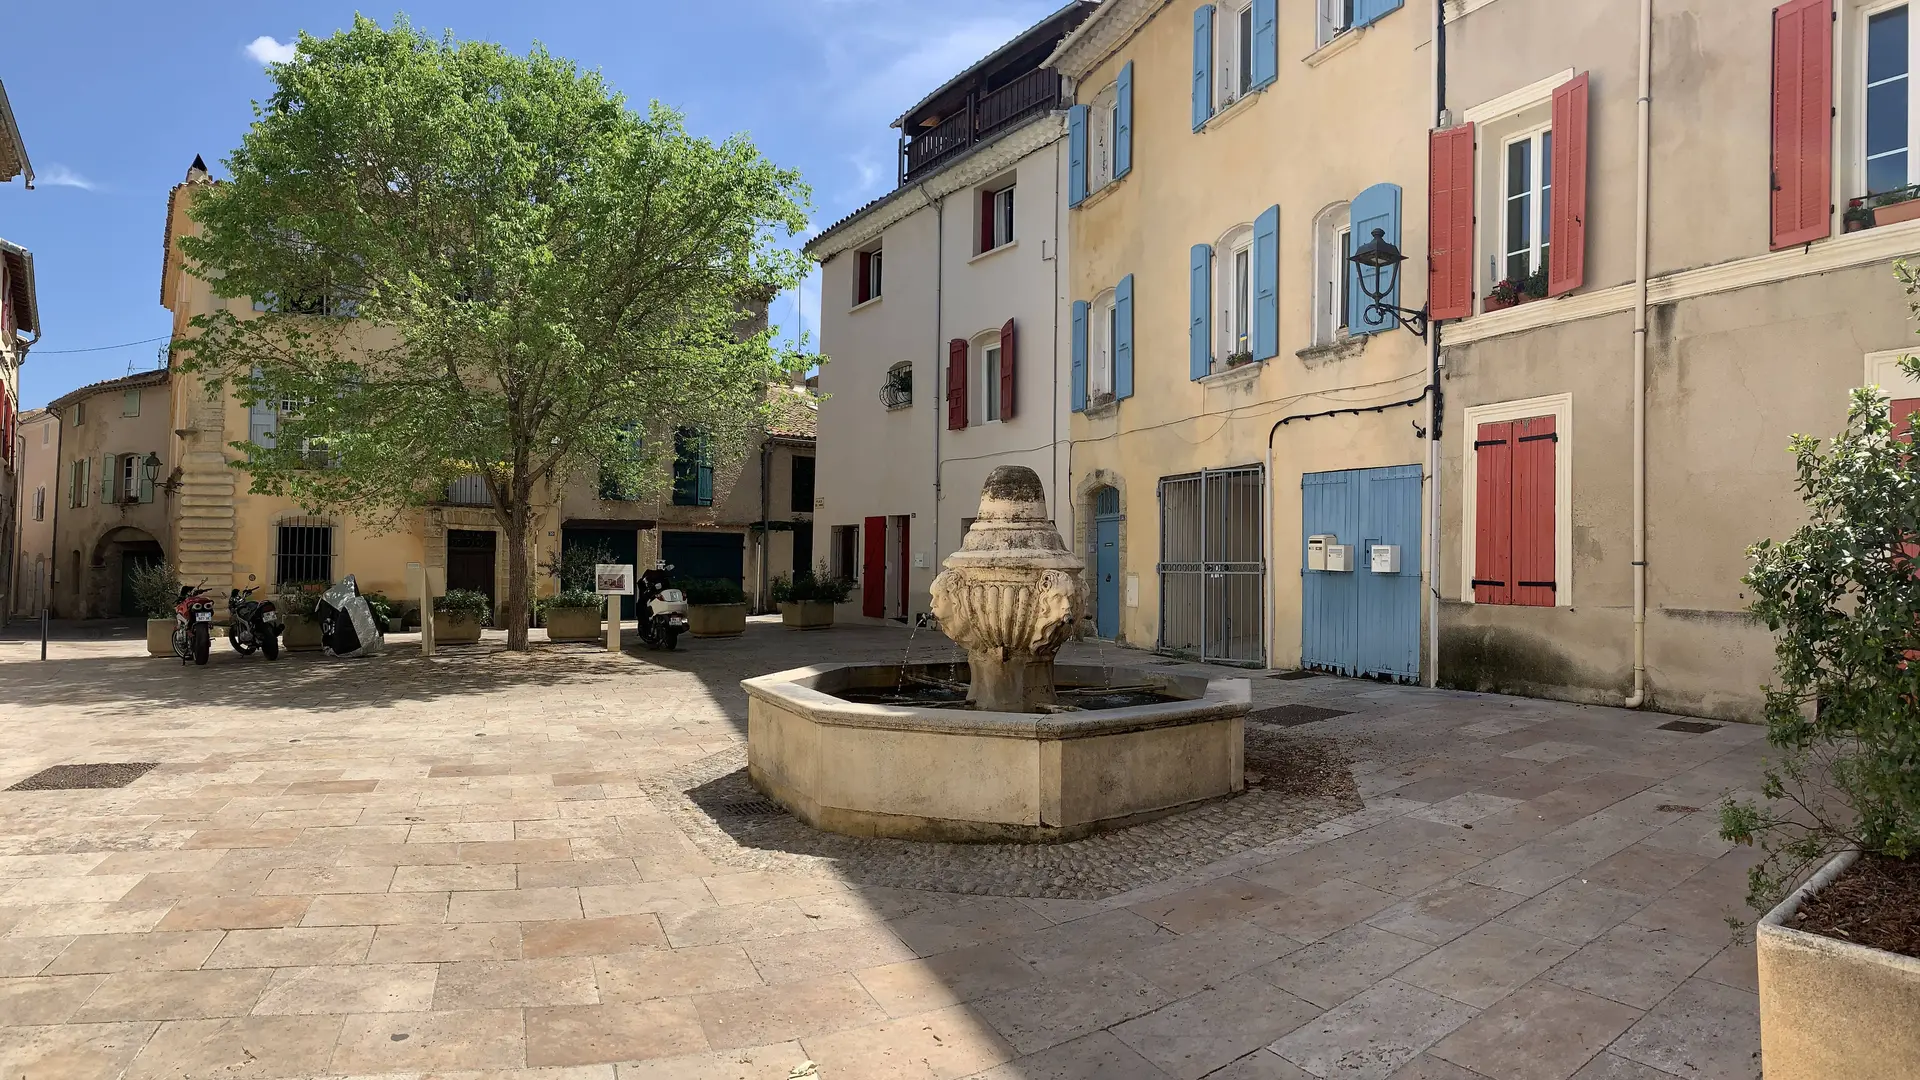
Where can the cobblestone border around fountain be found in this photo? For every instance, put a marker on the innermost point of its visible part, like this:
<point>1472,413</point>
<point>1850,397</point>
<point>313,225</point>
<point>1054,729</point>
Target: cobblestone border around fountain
<point>1306,781</point>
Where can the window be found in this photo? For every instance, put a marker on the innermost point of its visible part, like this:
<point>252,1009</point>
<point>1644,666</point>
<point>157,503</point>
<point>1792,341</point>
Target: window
<point>1336,16</point>
<point>866,277</point>
<point>130,478</point>
<point>996,218</point>
<point>1103,139</point>
<point>845,562</point>
<point>1105,335</point>
<point>79,482</point>
<point>692,468</point>
<point>802,484</point>
<point>130,403</point>
<point>79,413</point>
<point>40,504</point>
<point>1233,284</point>
<point>897,391</point>
<point>1888,116</point>
<point>1235,49</point>
<point>1333,240</point>
<point>303,551</point>
<point>990,382</point>
<point>1527,206</point>
<point>1515,505</point>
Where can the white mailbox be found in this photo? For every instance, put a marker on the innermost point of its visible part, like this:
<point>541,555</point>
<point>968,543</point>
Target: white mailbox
<point>1317,550</point>
<point>1386,558</point>
<point>1340,558</point>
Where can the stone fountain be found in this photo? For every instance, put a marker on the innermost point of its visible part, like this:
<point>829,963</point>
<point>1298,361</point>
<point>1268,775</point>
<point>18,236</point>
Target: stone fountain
<point>1009,746</point>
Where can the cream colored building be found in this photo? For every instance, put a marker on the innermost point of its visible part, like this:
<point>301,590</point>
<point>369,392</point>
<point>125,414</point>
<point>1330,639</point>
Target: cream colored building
<point>1762,308</point>
<point>109,497</point>
<point>19,317</point>
<point>941,317</point>
<point>1232,394</point>
<point>39,494</point>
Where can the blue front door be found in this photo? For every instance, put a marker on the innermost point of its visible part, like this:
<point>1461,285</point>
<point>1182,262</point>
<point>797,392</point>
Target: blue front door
<point>1106,538</point>
<point>1360,622</point>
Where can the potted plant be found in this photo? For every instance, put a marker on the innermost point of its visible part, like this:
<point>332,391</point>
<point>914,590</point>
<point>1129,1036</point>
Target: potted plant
<point>1858,216</point>
<point>1900,204</point>
<point>573,615</point>
<point>1535,286</point>
<point>459,615</point>
<point>716,607</point>
<point>156,589</point>
<point>1503,295</point>
<point>296,601</point>
<point>807,599</point>
<point>385,615</point>
<point>1237,359</point>
<point>1839,959</point>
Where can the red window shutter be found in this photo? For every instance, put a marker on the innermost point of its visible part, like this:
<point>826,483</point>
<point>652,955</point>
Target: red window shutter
<point>873,569</point>
<point>957,384</point>
<point>1901,411</point>
<point>1450,213</point>
<point>1493,514</point>
<point>1535,451</point>
<point>1802,122</point>
<point>1567,260</point>
<point>986,221</point>
<point>1008,366</point>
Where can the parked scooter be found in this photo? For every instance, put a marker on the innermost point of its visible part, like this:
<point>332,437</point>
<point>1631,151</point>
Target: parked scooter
<point>347,627</point>
<point>663,611</point>
<point>254,624</point>
<point>193,624</point>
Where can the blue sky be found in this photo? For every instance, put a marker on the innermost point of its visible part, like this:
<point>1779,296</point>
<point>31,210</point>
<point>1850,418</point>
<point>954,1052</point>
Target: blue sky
<point>115,99</point>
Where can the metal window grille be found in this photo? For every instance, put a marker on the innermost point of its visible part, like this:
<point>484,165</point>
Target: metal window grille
<point>1213,565</point>
<point>471,490</point>
<point>303,551</point>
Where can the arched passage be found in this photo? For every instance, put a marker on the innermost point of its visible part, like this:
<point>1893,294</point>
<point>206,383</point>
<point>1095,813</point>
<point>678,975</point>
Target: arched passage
<point>107,591</point>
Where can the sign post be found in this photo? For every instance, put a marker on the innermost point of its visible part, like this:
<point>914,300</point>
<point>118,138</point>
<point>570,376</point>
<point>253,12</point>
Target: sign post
<point>613,581</point>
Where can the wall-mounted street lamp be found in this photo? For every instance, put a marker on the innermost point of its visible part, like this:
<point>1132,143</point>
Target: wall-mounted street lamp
<point>150,470</point>
<point>1379,263</point>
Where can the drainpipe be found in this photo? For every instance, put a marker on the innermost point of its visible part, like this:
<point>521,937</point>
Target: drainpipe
<point>766,497</point>
<point>939,343</point>
<point>1645,185</point>
<point>1433,382</point>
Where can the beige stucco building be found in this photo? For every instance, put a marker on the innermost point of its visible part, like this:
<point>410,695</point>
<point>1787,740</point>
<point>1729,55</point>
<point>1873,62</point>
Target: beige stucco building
<point>941,317</point>
<point>39,493</point>
<point>1232,393</point>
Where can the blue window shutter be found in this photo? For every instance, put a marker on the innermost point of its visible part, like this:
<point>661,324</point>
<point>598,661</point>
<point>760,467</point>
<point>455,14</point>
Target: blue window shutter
<point>1378,207</point>
<point>1266,284</point>
<point>1080,309</point>
<point>1370,11</point>
<point>1266,42</point>
<point>1202,65</point>
<point>1123,122</point>
<point>1076,155</point>
<point>1123,348</point>
<point>1200,312</point>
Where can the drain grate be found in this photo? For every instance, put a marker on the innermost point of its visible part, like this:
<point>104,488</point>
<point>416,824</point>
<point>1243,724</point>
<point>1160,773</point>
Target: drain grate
<point>78,777</point>
<point>1676,808</point>
<point>750,808</point>
<point>1300,673</point>
<point>1294,715</point>
<point>1691,727</point>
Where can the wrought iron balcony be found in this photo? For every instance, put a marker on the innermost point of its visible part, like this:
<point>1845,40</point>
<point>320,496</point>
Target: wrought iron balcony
<point>982,117</point>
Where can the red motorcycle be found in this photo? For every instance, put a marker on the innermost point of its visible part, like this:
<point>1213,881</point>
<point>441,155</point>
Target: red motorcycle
<point>193,624</point>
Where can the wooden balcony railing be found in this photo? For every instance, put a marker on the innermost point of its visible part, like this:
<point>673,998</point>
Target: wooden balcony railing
<point>984,116</point>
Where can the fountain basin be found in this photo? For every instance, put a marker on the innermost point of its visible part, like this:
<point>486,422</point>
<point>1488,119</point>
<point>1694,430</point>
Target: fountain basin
<point>945,774</point>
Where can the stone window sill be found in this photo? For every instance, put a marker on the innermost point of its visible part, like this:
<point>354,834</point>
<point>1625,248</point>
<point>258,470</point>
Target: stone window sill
<point>1008,246</point>
<point>1341,43</point>
<point>1345,347</point>
<point>864,304</point>
<point>1234,108</point>
<point>1096,410</point>
<point>1244,373</point>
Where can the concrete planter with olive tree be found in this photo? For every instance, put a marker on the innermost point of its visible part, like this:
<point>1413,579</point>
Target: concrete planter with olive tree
<point>156,588</point>
<point>573,615</point>
<point>807,599</point>
<point>1839,959</point>
<point>459,615</point>
<point>716,609</point>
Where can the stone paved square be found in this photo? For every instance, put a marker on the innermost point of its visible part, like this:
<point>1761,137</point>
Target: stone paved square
<point>493,865</point>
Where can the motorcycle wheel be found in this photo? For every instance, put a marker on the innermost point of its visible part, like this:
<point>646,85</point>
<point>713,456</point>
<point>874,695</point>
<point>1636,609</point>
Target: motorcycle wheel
<point>651,641</point>
<point>183,645</point>
<point>244,648</point>
<point>672,641</point>
<point>202,644</point>
<point>270,647</point>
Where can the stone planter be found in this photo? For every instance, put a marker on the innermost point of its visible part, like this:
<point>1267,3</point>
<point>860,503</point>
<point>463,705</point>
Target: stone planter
<point>725,620</point>
<point>806,615</point>
<point>573,624</point>
<point>1889,215</point>
<point>455,629</point>
<point>159,637</point>
<point>301,633</point>
<point>1831,1008</point>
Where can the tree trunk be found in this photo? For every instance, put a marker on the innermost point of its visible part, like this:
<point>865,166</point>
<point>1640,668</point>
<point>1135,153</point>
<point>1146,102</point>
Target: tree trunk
<point>519,578</point>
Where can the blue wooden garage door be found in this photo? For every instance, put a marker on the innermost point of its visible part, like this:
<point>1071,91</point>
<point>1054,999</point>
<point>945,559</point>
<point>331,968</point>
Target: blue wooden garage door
<point>1363,623</point>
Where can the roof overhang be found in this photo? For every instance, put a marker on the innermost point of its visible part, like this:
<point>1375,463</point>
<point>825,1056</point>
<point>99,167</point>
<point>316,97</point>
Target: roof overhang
<point>26,300</point>
<point>138,379</point>
<point>13,150</point>
<point>1018,43</point>
<point>1090,43</point>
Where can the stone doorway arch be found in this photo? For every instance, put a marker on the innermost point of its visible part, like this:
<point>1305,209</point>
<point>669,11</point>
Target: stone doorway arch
<point>106,592</point>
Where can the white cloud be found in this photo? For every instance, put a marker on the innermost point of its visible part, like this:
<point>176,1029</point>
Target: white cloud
<point>266,50</point>
<point>61,176</point>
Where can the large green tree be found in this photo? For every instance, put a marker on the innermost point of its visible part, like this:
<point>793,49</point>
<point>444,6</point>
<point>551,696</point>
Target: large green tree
<point>463,261</point>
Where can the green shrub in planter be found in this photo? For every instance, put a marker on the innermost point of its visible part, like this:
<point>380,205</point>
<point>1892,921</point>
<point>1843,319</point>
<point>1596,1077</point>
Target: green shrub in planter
<point>299,597</point>
<point>465,604</point>
<point>383,612</point>
<point>573,615</point>
<point>156,589</point>
<point>712,591</point>
<point>811,587</point>
<point>715,608</point>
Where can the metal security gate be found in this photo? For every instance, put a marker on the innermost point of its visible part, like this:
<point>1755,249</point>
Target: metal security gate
<point>1213,567</point>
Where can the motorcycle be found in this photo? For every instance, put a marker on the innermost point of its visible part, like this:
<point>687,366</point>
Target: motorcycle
<point>255,624</point>
<point>663,610</point>
<point>347,627</point>
<point>193,624</point>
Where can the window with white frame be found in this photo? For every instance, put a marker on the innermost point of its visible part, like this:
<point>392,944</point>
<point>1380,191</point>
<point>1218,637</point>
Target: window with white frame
<point>866,275</point>
<point>988,396</point>
<point>130,477</point>
<point>1526,191</point>
<point>1233,285</point>
<point>1333,283</point>
<point>1335,17</point>
<point>40,504</point>
<point>1105,333</point>
<point>1233,30</point>
<point>996,225</point>
<point>1887,119</point>
<point>1102,137</point>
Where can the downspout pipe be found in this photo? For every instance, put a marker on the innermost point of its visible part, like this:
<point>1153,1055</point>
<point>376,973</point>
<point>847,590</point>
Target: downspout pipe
<point>766,500</point>
<point>1434,405</point>
<point>1643,199</point>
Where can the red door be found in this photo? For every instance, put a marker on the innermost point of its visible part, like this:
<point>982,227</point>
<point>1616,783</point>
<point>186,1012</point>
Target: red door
<point>873,570</point>
<point>905,565</point>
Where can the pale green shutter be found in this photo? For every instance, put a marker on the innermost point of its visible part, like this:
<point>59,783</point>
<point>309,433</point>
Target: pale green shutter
<point>109,479</point>
<point>146,485</point>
